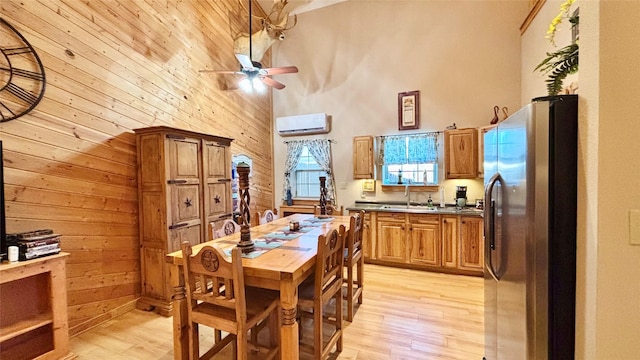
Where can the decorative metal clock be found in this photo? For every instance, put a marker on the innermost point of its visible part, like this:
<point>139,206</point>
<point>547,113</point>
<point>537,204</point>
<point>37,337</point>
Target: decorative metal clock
<point>22,79</point>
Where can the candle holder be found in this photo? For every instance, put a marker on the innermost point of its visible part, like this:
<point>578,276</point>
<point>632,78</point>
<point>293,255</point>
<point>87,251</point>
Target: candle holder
<point>323,196</point>
<point>246,244</point>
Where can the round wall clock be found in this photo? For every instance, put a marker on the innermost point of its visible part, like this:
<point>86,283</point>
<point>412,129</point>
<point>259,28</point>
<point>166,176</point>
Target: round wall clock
<point>22,78</point>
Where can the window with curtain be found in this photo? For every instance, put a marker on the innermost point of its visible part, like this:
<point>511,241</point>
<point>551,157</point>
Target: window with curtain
<point>307,176</point>
<point>410,159</point>
<point>306,161</point>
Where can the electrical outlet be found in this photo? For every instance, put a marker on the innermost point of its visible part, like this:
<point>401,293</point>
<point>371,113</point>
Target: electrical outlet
<point>634,227</point>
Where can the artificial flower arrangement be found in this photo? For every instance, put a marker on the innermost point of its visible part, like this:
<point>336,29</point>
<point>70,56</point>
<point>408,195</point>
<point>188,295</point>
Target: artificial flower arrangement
<point>563,62</point>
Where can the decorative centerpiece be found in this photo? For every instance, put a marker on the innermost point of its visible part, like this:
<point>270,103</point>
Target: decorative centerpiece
<point>323,196</point>
<point>246,244</point>
<point>563,62</point>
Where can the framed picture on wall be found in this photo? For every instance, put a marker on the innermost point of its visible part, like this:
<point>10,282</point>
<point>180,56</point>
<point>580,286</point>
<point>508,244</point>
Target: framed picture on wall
<point>409,110</point>
<point>368,185</point>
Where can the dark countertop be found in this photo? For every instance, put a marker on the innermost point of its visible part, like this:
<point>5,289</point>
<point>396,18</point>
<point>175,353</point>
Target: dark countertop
<point>414,208</point>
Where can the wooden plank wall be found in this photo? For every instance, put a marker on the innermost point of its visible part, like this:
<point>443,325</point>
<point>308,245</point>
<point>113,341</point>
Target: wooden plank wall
<point>113,66</point>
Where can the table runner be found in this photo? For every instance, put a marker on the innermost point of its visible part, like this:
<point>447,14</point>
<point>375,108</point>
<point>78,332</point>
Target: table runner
<point>278,238</point>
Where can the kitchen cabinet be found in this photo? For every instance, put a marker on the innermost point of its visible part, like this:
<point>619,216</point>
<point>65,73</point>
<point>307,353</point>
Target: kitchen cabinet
<point>481,131</point>
<point>450,240</point>
<point>392,237</point>
<point>445,242</point>
<point>424,240</point>
<point>408,239</point>
<point>461,154</point>
<point>184,183</point>
<point>471,244</point>
<point>363,166</point>
<point>368,240</point>
<point>33,309</point>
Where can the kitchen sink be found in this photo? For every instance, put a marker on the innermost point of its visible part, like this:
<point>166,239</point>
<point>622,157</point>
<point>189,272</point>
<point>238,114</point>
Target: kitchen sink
<point>393,207</point>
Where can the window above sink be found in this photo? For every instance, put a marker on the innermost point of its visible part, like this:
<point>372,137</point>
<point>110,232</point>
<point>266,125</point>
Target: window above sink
<point>409,160</point>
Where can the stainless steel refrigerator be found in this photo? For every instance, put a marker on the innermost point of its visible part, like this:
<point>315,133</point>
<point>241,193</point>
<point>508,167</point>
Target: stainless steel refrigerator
<point>530,162</point>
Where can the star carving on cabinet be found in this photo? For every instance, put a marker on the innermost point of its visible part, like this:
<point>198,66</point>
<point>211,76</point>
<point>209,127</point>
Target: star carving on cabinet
<point>217,199</point>
<point>187,202</point>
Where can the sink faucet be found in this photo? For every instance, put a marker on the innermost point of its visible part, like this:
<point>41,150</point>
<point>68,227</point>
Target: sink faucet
<point>407,193</point>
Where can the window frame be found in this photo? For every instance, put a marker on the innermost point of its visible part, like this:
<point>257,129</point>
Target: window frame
<point>294,181</point>
<point>417,185</point>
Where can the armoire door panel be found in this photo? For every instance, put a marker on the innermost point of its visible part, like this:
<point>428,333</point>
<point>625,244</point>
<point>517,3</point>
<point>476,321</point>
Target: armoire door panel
<point>185,203</point>
<point>184,159</point>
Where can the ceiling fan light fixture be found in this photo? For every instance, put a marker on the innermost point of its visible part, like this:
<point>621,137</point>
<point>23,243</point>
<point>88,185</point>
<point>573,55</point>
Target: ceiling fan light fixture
<point>245,84</point>
<point>258,85</point>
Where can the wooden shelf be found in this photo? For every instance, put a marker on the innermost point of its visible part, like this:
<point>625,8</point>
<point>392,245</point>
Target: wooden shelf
<point>24,326</point>
<point>33,309</point>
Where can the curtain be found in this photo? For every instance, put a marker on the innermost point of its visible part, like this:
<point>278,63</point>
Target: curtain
<point>394,150</point>
<point>423,148</point>
<point>409,149</point>
<point>320,149</point>
<point>294,149</point>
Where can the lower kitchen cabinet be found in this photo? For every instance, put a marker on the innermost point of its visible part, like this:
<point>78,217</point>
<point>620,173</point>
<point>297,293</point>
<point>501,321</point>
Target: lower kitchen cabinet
<point>392,237</point>
<point>368,235</point>
<point>444,242</point>
<point>472,244</point>
<point>424,240</point>
<point>409,238</point>
<point>450,240</point>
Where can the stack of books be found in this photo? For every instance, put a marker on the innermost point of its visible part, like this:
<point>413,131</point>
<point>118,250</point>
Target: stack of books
<point>35,244</point>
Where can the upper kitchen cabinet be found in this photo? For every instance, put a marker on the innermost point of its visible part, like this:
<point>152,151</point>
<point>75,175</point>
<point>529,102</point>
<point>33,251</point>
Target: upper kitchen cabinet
<point>363,167</point>
<point>461,154</point>
<point>481,131</point>
<point>183,185</point>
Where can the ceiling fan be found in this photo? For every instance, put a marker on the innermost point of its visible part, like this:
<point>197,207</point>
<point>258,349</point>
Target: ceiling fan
<point>255,76</point>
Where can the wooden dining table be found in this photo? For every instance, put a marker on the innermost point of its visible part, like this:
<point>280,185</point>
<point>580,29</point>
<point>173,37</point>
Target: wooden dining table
<point>282,269</point>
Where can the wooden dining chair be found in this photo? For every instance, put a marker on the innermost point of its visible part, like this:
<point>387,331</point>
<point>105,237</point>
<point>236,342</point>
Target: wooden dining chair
<point>319,289</point>
<point>354,262</point>
<point>267,216</point>
<point>331,210</point>
<point>228,227</point>
<point>232,307</point>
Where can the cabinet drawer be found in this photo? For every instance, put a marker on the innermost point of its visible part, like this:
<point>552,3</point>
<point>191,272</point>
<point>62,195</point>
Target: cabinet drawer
<point>389,216</point>
<point>424,219</point>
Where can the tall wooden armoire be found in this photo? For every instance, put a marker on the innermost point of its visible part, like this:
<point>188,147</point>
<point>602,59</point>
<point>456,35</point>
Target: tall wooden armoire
<point>184,182</point>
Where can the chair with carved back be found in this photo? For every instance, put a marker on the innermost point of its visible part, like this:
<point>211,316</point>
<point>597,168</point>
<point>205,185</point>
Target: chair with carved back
<point>331,210</point>
<point>267,216</point>
<point>228,227</point>
<point>354,263</point>
<point>319,289</point>
<point>232,307</point>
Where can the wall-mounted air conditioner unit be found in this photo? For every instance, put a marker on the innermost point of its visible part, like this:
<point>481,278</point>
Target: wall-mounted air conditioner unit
<point>303,124</point>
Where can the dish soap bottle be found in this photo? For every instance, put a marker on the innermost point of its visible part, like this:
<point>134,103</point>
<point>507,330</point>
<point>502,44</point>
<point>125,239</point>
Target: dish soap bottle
<point>429,203</point>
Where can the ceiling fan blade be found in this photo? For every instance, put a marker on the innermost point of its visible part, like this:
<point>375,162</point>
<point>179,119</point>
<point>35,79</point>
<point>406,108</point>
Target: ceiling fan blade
<point>270,82</point>
<point>280,70</point>
<point>245,61</point>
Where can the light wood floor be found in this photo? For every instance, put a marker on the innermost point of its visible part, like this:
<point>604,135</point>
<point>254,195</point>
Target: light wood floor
<point>406,314</point>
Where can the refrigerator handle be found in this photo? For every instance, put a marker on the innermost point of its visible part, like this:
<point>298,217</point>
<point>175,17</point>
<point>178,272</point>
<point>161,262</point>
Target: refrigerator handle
<point>489,224</point>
